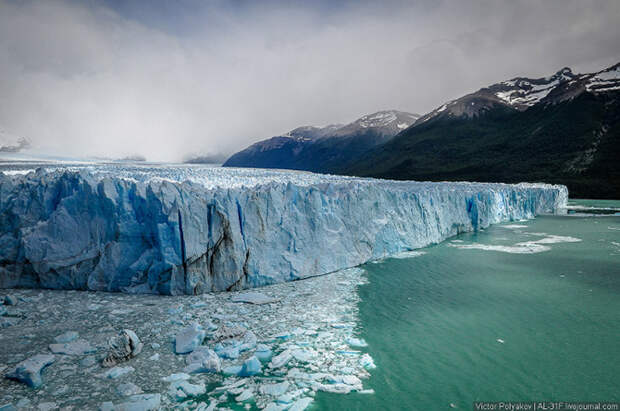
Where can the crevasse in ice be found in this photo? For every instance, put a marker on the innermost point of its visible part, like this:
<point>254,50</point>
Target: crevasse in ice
<point>180,230</point>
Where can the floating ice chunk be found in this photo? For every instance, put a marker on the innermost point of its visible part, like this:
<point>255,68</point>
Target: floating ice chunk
<point>281,359</point>
<point>339,388</point>
<point>29,371</point>
<point>47,406</point>
<point>10,300</point>
<point>231,370</point>
<point>351,380</point>
<point>209,325</point>
<point>106,406</point>
<point>301,404</point>
<point>526,247</point>
<point>367,362</point>
<point>88,361</point>
<point>245,395</point>
<point>253,298</point>
<point>79,347</point>
<point>154,357</point>
<point>226,333</point>
<point>128,388</point>
<point>188,339</point>
<point>66,337</point>
<point>514,226</point>
<point>7,322</point>
<point>263,352</point>
<point>231,386</point>
<point>349,353</point>
<point>356,342</point>
<point>522,248</point>
<point>282,336</point>
<point>203,360</point>
<point>230,352</point>
<point>122,347</point>
<point>551,239</point>
<point>176,377</point>
<point>199,304</point>
<point>303,355</point>
<point>116,372</point>
<point>183,389</point>
<point>499,340</point>
<point>408,254</point>
<point>175,310</point>
<point>274,407</point>
<point>251,366</point>
<point>285,398</point>
<point>140,402</point>
<point>344,379</point>
<point>274,390</point>
<point>248,341</point>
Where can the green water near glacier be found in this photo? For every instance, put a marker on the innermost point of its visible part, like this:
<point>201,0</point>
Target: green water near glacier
<point>433,322</point>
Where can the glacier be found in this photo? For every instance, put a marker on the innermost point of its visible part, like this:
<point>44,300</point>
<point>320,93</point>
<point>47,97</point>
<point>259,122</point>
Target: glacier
<point>190,230</point>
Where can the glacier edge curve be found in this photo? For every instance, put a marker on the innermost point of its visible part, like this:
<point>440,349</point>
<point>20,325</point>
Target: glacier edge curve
<point>79,230</point>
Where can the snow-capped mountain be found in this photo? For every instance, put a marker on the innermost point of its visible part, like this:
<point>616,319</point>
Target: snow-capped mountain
<point>388,123</point>
<point>564,129</point>
<point>10,143</point>
<point>521,93</point>
<point>312,132</point>
<point>322,148</point>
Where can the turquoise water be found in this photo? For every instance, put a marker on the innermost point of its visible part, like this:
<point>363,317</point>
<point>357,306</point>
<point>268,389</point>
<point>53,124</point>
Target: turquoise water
<point>434,322</point>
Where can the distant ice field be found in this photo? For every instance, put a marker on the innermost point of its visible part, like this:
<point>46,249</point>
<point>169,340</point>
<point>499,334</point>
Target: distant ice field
<point>211,176</point>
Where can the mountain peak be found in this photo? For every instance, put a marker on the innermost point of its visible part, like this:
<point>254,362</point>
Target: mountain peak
<point>384,117</point>
<point>520,93</point>
<point>324,148</point>
<point>566,71</point>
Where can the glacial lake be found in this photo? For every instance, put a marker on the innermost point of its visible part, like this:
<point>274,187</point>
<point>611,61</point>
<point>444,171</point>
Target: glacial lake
<point>454,326</point>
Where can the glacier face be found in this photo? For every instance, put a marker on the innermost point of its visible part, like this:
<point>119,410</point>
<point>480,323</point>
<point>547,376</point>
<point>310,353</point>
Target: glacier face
<point>184,230</point>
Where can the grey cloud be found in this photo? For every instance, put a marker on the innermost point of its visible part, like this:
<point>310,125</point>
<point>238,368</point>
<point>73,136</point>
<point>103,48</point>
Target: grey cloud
<point>93,80</point>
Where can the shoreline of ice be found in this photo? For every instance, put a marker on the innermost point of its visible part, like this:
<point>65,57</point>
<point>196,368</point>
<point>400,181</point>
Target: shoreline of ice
<point>184,230</point>
<point>305,333</point>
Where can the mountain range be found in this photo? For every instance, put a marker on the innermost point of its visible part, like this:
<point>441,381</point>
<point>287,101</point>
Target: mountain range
<point>323,149</point>
<point>564,129</point>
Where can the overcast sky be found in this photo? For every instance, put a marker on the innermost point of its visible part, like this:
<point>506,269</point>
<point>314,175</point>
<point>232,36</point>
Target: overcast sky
<point>167,79</point>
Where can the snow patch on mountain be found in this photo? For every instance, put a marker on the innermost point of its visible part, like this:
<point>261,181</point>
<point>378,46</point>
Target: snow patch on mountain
<point>521,93</point>
<point>606,80</point>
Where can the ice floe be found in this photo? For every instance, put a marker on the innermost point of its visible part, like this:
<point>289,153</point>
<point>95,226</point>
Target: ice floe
<point>29,371</point>
<point>305,341</point>
<point>524,247</point>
